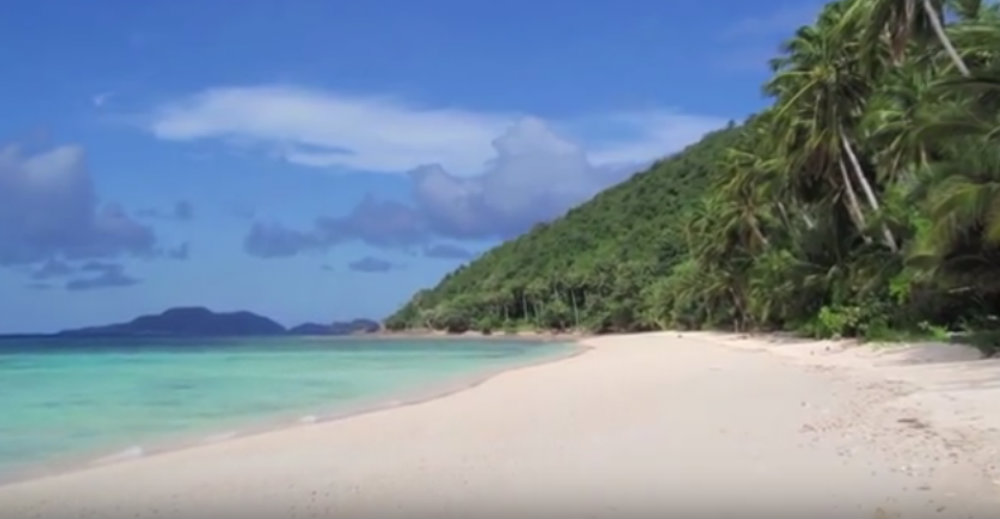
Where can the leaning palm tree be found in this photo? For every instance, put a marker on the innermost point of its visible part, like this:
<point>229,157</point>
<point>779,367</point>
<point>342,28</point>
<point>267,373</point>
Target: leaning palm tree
<point>821,89</point>
<point>903,21</point>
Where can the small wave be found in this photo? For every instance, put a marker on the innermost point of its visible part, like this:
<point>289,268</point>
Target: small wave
<point>132,452</point>
<point>309,418</point>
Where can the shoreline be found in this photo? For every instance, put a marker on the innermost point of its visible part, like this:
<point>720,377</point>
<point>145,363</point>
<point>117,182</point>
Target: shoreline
<point>528,335</point>
<point>643,419</point>
<point>82,462</point>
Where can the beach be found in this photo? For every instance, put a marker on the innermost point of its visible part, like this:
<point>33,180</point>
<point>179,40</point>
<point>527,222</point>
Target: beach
<point>645,425</point>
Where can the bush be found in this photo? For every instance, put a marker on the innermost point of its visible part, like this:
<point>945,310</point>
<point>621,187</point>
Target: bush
<point>487,324</point>
<point>453,319</point>
<point>835,322</point>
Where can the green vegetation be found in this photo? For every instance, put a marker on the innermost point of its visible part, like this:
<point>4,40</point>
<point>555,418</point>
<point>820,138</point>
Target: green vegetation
<point>864,202</point>
<point>585,269</point>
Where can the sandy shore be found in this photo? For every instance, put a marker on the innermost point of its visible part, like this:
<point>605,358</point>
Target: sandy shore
<point>532,335</point>
<point>648,425</point>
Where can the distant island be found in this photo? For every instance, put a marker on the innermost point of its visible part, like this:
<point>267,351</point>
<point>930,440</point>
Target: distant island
<point>355,326</point>
<point>202,322</point>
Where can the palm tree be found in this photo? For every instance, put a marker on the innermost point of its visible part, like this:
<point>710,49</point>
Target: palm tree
<point>902,21</point>
<point>906,102</point>
<point>821,90</point>
<point>975,114</point>
<point>962,246</point>
<point>742,191</point>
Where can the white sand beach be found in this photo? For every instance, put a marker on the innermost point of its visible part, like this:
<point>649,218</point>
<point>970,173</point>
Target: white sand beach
<point>649,425</point>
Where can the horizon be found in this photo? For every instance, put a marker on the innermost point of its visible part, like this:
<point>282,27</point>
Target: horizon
<point>320,163</point>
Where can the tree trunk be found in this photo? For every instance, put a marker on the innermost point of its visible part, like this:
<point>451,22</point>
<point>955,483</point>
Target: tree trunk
<point>756,231</point>
<point>890,240</point>
<point>859,173</point>
<point>738,307</point>
<point>853,207</point>
<point>942,36</point>
<point>576,312</point>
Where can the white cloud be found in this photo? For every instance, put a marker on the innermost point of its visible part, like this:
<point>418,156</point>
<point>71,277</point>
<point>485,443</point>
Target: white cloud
<point>535,176</point>
<point>48,209</point>
<point>474,174</point>
<point>327,129</point>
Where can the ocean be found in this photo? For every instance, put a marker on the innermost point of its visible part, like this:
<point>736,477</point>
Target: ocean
<point>85,400</point>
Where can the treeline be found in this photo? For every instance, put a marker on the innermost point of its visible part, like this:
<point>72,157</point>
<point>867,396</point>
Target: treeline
<point>864,201</point>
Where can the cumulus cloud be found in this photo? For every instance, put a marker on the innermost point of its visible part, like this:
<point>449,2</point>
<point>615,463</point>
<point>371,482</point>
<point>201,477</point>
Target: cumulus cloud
<point>385,223</point>
<point>269,240</point>
<point>371,265</point>
<point>106,275</point>
<point>534,175</point>
<point>48,209</point>
<point>447,251</point>
<point>473,174</point>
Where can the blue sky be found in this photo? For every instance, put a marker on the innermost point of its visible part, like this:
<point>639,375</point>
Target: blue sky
<point>314,161</point>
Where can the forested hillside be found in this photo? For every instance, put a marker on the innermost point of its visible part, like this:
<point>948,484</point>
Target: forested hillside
<point>585,269</point>
<point>864,201</point>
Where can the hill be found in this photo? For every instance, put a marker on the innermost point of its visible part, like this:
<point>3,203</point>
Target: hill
<point>865,201</point>
<point>585,269</point>
<point>352,327</point>
<point>193,321</point>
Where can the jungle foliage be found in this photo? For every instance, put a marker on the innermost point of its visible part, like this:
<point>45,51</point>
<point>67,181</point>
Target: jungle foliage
<point>865,201</point>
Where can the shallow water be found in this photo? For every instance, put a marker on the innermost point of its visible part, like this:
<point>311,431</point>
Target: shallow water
<point>74,396</point>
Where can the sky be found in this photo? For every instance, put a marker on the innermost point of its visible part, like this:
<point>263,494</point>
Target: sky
<point>320,161</point>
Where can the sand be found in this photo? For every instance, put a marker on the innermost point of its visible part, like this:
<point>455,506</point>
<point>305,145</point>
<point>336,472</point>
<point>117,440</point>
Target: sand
<point>651,425</point>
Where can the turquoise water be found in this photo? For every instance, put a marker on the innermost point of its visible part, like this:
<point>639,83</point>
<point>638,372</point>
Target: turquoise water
<point>61,398</point>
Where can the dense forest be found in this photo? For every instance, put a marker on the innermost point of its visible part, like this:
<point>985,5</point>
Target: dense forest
<point>865,201</point>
